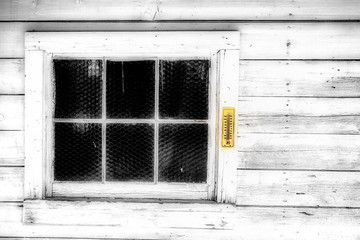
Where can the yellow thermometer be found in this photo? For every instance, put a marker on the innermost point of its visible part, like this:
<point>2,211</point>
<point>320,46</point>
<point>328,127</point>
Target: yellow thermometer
<point>228,127</point>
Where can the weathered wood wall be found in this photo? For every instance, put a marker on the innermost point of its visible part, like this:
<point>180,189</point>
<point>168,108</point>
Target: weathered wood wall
<point>298,128</point>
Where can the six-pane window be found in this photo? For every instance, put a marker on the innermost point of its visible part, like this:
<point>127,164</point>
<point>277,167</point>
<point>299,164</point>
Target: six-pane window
<point>135,120</point>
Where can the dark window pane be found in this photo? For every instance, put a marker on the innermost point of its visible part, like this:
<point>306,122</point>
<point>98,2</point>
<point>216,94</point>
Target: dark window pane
<point>183,152</point>
<point>77,152</point>
<point>184,89</point>
<point>78,87</point>
<point>130,89</point>
<point>130,152</point>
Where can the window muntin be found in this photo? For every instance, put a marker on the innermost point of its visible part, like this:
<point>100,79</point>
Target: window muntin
<point>153,124</point>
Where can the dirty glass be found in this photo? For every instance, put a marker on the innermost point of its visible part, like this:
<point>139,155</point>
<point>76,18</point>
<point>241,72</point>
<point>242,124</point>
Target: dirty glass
<point>130,89</point>
<point>183,152</point>
<point>77,152</point>
<point>129,152</point>
<point>78,88</point>
<point>184,89</point>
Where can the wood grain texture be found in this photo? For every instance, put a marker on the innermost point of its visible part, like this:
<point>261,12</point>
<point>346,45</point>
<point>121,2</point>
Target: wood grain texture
<point>11,112</point>
<point>299,151</point>
<point>127,43</point>
<point>323,40</point>
<point>228,72</point>
<point>179,10</point>
<point>299,124</point>
<point>11,183</point>
<point>250,223</point>
<point>130,214</point>
<point>300,78</point>
<point>292,106</point>
<point>298,217</point>
<point>11,76</point>
<point>298,188</point>
<point>11,148</point>
<point>36,72</point>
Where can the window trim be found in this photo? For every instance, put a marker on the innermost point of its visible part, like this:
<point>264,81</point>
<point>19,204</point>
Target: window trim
<point>40,48</point>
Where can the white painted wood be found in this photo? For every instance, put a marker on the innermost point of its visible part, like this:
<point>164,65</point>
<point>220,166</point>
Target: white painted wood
<point>299,124</point>
<point>125,43</point>
<point>10,212</point>
<point>293,229</point>
<point>259,40</point>
<point>299,151</point>
<point>251,232</point>
<point>11,183</point>
<point>251,223</point>
<point>300,78</point>
<point>298,188</point>
<point>11,148</point>
<point>297,217</point>
<point>34,124</point>
<point>131,190</point>
<point>25,10</point>
<point>130,214</point>
<point>292,106</point>
<point>212,127</point>
<point>227,97</point>
<point>11,112</point>
<point>48,102</point>
<point>11,76</point>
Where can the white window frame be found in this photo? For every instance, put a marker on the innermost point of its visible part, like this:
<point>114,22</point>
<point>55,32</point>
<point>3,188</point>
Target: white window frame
<point>41,48</point>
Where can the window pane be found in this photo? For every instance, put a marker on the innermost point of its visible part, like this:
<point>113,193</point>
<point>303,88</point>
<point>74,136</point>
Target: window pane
<point>78,87</point>
<point>130,89</point>
<point>130,152</point>
<point>183,152</point>
<point>184,89</point>
<point>77,152</point>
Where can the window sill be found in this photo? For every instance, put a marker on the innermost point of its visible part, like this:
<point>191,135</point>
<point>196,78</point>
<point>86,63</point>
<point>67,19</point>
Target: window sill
<point>100,212</point>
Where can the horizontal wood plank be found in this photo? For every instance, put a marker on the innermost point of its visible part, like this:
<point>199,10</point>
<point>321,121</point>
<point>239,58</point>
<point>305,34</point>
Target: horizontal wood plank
<point>10,213</point>
<point>129,214</point>
<point>299,124</point>
<point>292,106</point>
<point>251,223</point>
<point>11,148</point>
<point>127,43</point>
<point>300,78</point>
<point>297,216</point>
<point>298,188</point>
<point>337,40</point>
<point>299,151</point>
<point>11,183</point>
<point>11,112</point>
<point>25,10</point>
<point>11,76</point>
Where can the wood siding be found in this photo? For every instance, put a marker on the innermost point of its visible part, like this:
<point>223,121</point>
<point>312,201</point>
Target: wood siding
<point>298,165</point>
<point>154,10</point>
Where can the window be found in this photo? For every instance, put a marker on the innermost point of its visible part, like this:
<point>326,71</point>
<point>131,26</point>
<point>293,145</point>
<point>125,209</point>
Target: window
<point>129,115</point>
<point>133,121</point>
